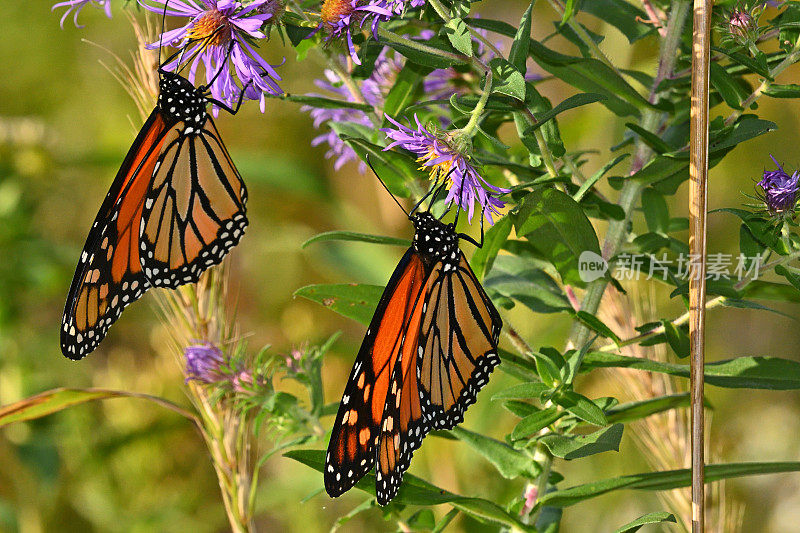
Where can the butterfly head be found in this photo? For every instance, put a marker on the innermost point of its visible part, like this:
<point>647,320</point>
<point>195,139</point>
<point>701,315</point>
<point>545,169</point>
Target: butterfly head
<point>435,240</point>
<point>180,101</point>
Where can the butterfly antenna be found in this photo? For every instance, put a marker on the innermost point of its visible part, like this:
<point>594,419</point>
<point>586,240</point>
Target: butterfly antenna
<point>163,28</point>
<point>385,187</point>
<point>439,189</point>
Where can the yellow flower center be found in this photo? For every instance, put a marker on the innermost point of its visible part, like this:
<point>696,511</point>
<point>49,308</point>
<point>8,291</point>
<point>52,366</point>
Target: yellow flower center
<point>213,26</point>
<point>437,170</point>
<point>333,10</point>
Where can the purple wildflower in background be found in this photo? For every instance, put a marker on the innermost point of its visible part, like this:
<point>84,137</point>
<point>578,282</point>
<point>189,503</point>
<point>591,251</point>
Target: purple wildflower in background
<point>374,89</point>
<point>438,155</point>
<point>75,6</point>
<point>217,32</point>
<point>780,189</point>
<point>204,363</point>
<point>340,17</point>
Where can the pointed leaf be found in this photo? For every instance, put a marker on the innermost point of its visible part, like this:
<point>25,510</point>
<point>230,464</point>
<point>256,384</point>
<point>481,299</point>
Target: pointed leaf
<point>351,300</point>
<point>510,463</point>
<point>650,518</point>
<point>604,440</point>
<point>667,480</point>
<point>535,422</point>
<point>771,373</point>
<point>355,236</point>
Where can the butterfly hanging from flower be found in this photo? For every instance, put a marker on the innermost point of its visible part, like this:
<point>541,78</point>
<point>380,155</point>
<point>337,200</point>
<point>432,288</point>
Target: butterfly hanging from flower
<point>429,349</point>
<point>175,208</point>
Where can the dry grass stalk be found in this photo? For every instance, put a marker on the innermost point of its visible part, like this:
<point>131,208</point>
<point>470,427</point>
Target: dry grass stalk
<point>663,438</point>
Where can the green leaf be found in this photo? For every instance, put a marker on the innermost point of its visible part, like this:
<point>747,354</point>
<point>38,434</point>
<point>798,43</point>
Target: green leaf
<point>604,440</point>
<point>557,228</point>
<point>588,184</point>
<point>667,480</point>
<point>535,422</point>
<point>320,101</point>
<point>483,258</point>
<point>591,76</point>
<point>547,369</point>
<point>574,101</point>
<point>55,400</point>
<point>510,463</point>
<point>582,407</point>
<point>628,412</point>
<point>677,338</point>
<point>518,54</point>
<point>416,491</point>
<point>656,212</point>
<point>355,236</point>
<point>459,36</point>
<point>789,90</point>
<point>506,79</point>
<point>402,93</point>
<point>649,138</point>
<point>761,229</point>
<point>746,128</point>
<point>726,85</point>
<point>538,105</point>
<point>772,373</point>
<point>515,278</point>
<point>523,391</point>
<point>622,15</point>
<point>650,518</point>
<point>596,325</point>
<point>351,300</point>
<point>792,276</point>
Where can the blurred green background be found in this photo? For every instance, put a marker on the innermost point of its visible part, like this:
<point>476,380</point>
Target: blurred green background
<point>122,465</point>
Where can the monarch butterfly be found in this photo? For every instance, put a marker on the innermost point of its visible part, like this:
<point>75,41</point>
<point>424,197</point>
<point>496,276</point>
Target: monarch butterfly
<point>175,208</point>
<point>428,350</point>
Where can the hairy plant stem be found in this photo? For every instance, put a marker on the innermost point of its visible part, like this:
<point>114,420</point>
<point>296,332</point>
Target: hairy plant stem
<point>629,195</point>
<point>469,129</point>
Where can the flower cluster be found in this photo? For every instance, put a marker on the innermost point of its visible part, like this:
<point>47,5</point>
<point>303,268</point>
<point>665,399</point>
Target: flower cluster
<point>205,363</point>
<point>443,156</point>
<point>218,31</point>
<point>373,90</point>
<point>339,18</point>
<point>779,189</point>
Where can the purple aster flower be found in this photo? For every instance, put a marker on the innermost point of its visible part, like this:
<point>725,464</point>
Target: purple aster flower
<point>204,363</point>
<point>375,88</point>
<point>341,17</point>
<point>77,5</point>
<point>444,160</point>
<point>780,189</point>
<point>219,31</point>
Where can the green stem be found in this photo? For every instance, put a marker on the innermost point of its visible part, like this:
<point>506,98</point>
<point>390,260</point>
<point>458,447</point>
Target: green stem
<point>629,196</point>
<point>394,38</point>
<point>545,458</point>
<point>468,130</point>
<point>440,10</point>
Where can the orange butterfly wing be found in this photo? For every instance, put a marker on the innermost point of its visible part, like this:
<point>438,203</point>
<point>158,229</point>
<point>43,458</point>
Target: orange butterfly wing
<point>109,274</point>
<point>351,450</point>
<point>195,209</point>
